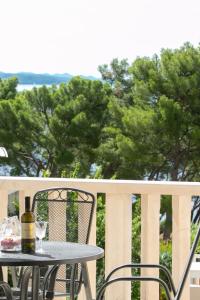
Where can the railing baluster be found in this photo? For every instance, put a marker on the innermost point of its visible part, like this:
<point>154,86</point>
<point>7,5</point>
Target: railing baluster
<point>150,229</point>
<point>181,238</point>
<point>91,264</point>
<point>118,241</point>
<point>4,204</point>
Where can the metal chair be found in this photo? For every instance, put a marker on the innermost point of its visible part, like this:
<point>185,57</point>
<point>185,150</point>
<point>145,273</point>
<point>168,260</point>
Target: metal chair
<point>69,213</point>
<point>171,292</point>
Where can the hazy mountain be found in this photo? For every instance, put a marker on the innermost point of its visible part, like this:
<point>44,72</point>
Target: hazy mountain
<point>33,78</point>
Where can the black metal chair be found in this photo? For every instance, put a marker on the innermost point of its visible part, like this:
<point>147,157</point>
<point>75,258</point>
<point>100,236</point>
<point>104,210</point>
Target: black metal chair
<point>171,292</point>
<point>69,212</point>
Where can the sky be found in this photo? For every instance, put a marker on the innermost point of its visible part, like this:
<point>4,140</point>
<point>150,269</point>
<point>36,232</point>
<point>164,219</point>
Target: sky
<point>75,37</point>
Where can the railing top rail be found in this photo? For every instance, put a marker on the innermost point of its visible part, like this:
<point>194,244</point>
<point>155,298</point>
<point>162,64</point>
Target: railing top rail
<point>102,185</point>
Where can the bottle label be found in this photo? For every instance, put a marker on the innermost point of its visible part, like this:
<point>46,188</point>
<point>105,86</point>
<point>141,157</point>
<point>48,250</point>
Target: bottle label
<point>28,231</point>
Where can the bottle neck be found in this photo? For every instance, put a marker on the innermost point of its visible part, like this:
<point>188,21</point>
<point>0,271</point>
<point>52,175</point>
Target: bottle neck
<point>27,204</point>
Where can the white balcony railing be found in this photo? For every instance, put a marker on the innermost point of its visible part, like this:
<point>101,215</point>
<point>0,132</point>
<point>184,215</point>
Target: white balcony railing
<point>118,226</point>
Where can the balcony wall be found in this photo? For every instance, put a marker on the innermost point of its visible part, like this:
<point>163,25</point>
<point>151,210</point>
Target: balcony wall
<point>119,222</point>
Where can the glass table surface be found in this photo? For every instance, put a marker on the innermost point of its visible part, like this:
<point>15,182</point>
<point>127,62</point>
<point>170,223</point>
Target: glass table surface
<point>54,253</point>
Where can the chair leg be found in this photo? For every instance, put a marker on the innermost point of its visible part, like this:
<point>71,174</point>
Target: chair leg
<point>7,290</point>
<point>86,281</point>
<point>52,280</point>
<point>72,281</point>
<point>14,276</point>
<point>24,280</point>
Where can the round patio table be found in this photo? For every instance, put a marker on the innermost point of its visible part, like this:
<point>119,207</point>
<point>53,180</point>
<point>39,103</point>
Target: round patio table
<point>55,253</point>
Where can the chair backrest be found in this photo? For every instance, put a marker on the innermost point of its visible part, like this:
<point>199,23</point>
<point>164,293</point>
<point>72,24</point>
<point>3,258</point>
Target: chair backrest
<point>69,213</point>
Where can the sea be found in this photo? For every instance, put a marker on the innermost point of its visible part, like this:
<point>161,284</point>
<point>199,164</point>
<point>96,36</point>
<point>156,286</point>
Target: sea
<point>22,87</point>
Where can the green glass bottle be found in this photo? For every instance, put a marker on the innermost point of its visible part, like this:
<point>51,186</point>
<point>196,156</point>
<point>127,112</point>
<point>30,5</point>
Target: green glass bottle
<point>28,229</point>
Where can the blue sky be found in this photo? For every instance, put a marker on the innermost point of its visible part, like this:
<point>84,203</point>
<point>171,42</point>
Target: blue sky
<point>62,36</point>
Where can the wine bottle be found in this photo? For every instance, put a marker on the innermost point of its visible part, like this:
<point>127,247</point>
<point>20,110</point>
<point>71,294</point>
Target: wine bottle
<point>28,228</point>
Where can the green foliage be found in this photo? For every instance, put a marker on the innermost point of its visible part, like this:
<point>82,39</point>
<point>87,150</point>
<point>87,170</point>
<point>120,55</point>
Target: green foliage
<point>136,229</point>
<point>117,75</point>
<point>166,216</point>
<point>54,128</point>
<point>166,254</point>
<point>193,234</point>
<point>156,136</point>
<point>136,245</point>
<point>165,260</point>
<point>100,238</point>
<point>18,130</point>
<point>8,88</point>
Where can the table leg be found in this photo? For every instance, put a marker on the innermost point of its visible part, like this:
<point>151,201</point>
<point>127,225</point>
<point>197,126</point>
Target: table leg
<point>86,281</point>
<point>35,283</point>
<point>24,281</point>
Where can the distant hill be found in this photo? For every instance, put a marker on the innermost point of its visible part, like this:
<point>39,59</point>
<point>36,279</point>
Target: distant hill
<point>33,78</point>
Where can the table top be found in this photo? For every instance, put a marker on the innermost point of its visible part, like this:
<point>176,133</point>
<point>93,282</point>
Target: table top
<point>54,253</point>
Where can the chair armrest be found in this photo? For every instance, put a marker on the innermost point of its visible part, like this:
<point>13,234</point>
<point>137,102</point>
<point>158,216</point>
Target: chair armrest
<point>132,279</point>
<point>148,266</point>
